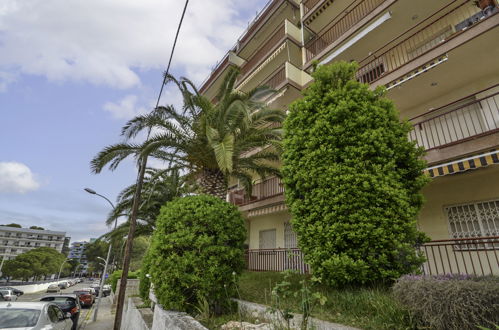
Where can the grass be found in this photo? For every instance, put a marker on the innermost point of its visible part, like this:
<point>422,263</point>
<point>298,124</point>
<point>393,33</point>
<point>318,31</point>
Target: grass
<point>363,307</point>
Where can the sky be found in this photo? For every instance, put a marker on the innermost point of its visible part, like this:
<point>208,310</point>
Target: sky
<point>72,72</point>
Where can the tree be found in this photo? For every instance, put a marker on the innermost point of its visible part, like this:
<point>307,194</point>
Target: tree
<point>37,228</point>
<point>197,251</point>
<point>160,186</point>
<point>37,263</point>
<point>211,142</point>
<point>14,225</point>
<point>352,180</point>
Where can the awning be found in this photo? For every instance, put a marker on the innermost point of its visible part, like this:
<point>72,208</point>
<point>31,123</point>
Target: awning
<point>461,165</point>
<point>267,210</point>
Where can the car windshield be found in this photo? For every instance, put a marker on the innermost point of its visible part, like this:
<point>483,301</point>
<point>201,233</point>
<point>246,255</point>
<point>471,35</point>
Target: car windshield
<point>63,302</point>
<point>5,292</point>
<point>18,317</point>
<point>82,292</point>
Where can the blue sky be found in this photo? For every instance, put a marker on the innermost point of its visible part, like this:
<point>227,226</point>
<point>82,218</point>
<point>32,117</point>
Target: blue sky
<point>72,72</point>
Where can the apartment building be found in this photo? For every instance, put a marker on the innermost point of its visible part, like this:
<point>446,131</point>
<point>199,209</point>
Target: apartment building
<point>14,241</point>
<point>439,62</point>
<point>77,252</point>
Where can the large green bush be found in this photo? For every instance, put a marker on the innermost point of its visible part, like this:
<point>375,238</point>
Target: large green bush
<point>447,302</point>
<point>352,180</point>
<point>196,247</point>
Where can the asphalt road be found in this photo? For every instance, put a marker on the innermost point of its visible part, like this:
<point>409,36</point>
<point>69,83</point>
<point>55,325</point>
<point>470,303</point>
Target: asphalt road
<point>85,312</point>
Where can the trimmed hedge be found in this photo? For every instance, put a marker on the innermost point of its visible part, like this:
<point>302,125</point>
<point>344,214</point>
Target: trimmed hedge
<point>196,248</point>
<point>352,181</point>
<point>450,302</point>
<point>116,275</point>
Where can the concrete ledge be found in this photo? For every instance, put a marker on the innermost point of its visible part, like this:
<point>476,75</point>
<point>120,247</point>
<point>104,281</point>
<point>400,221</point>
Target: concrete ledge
<point>174,320</point>
<point>261,311</point>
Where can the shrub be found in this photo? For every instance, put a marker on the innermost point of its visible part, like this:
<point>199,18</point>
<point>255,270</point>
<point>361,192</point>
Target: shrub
<point>450,302</point>
<point>116,275</point>
<point>145,280</point>
<point>352,181</point>
<point>196,247</point>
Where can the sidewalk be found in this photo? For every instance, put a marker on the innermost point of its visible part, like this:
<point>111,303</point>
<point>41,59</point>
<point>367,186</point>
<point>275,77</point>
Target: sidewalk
<point>105,317</point>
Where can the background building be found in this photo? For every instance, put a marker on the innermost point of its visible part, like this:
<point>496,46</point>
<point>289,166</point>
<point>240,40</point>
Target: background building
<point>77,252</point>
<point>14,241</point>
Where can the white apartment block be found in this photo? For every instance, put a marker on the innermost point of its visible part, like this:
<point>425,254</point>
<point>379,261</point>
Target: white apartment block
<point>14,241</point>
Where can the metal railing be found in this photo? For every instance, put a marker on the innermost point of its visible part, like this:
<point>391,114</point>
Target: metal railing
<point>339,25</point>
<point>445,127</point>
<point>432,32</point>
<point>309,4</point>
<point>271,43</point>
<point>276,260</point>
<point>276,78</point>
<point>265,189</point>
<point>472,256</point>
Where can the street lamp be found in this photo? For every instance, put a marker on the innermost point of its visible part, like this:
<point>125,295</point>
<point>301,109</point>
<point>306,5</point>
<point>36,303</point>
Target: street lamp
<point>60,269</point>
<point>93,192</point>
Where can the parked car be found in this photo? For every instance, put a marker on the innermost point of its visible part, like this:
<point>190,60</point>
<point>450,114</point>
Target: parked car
<point>86,297</point>
<point>33,316</point>
<point>106,290</point>
<point>53,288</point>
<point>96,287</point>
<point>8,295</point>
<point>68,303</point>
<point>16,291</point>
<point>63,285</point>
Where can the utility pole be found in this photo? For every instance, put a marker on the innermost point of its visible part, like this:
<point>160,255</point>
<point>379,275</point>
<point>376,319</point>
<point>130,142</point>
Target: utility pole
<point>129,243</point>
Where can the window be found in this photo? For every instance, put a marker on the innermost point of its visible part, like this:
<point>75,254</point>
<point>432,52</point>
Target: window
<point>474,220</point>
<point>52,311</point>
<point>267,239</point>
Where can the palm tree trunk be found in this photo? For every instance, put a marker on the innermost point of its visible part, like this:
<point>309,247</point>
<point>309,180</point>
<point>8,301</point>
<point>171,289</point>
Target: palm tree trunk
<point>213,182</point>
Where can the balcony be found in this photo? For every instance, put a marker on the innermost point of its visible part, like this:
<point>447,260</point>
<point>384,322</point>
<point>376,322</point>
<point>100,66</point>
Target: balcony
<point>343,22</point>
<point>437,31</point>
<point>460,121</point>
<point>262,190</point>
<point>478,256</point>
<point>280,47</point>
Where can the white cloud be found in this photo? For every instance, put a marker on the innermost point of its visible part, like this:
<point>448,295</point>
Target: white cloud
<point>105,42</point>
<point>126,108</point>
<point>16,178</point>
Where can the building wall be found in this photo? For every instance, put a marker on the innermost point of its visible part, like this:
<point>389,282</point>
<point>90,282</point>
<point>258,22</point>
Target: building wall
<point>267,222</point>
<point>472,186</point>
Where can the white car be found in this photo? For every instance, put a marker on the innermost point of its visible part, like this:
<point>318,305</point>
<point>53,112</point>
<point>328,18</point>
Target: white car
<point>33,316</point>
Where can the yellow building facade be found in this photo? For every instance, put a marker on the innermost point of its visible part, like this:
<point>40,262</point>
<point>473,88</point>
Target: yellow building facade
<point>439,62</point>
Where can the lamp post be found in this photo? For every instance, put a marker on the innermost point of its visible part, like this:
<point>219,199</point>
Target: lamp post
<point>93,192</point>
<point>60,268</point>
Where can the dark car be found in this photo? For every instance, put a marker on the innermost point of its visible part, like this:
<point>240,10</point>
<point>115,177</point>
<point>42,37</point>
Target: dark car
<point>86,296</point>
<point>68,303</point>
<point>17,292</point>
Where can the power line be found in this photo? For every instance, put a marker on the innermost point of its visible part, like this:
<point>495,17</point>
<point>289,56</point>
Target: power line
<point>171,55</point>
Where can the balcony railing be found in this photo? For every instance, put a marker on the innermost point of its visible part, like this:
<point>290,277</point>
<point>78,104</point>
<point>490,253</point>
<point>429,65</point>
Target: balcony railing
<point>472,256</point>
<point>339,25</point>
<point>256,57</point>
<point>265,189</point>
<point>276,78</point>
<point>276,260</point>
<point>445,24</point>
<point>309,4</point>
<point>445,127</point>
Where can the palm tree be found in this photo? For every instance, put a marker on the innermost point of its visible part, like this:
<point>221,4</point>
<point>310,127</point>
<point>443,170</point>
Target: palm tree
<point>235,139</point>
<point>159,187</point>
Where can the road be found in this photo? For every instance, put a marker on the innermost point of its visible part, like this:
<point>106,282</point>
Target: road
<point>85,312</point>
